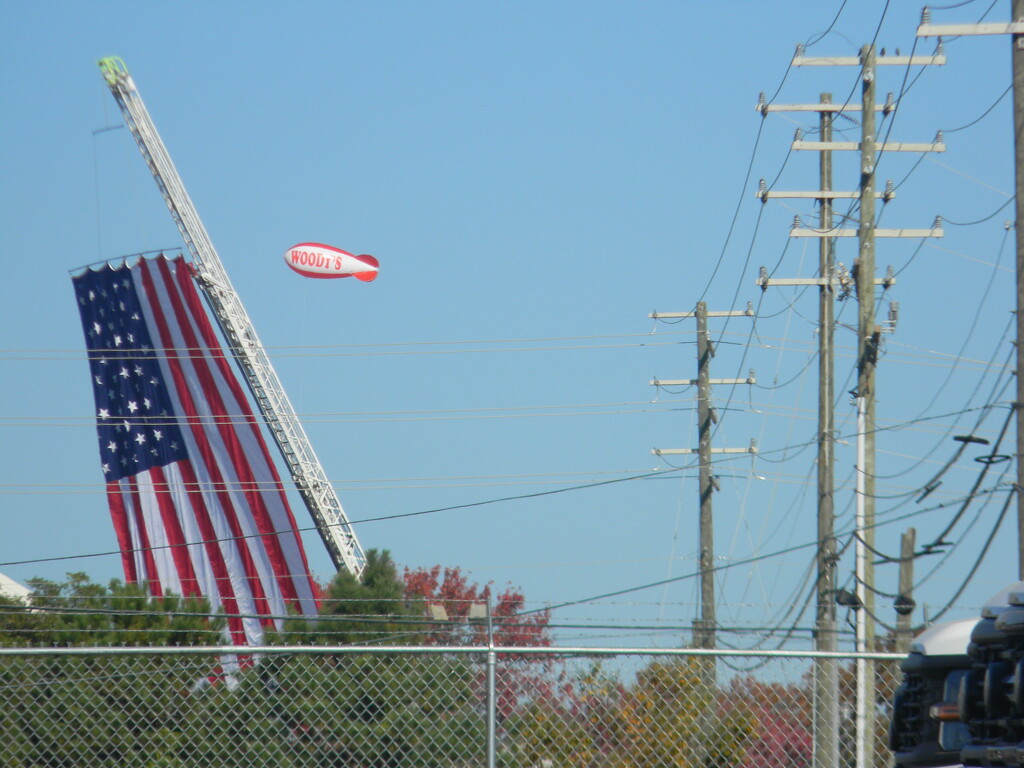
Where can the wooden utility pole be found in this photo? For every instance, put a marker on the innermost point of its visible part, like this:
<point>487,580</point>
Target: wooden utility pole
<point>707,528</point>
<point>830,280</point>
<point>826,678</point>
<point>867,351</point>
<point>704,628</point>
<point>904,596</point>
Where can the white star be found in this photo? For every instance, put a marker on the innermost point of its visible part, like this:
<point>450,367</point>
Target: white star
<point>111,446</point>
<point>98,380</point>
<point>104,413</point>
<point>140,438</point>
<point>138,371</point>
<point>92,295</point>
<point>124,373</point>
<point>96,327</point>
<point>106,469</point>
<point>117,340</point>
<point>145,403</point>
<point>158,434</point>
<point>133,406</point>
<point>127,426</point>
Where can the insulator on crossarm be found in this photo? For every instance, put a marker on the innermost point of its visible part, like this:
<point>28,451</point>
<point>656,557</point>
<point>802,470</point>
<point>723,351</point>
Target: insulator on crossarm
<point>845,279</point>
<point>890,278</point>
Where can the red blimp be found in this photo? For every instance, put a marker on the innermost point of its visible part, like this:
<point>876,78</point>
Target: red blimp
<point>326,261</point>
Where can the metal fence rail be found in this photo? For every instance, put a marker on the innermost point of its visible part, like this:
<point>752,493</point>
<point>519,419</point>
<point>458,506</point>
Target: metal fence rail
<point>403,707</point>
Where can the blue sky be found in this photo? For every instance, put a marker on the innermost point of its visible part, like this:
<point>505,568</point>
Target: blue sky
<point>535,179</point>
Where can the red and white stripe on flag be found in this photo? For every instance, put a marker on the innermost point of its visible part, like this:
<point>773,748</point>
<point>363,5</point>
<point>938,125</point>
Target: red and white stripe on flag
<point>197,503</point>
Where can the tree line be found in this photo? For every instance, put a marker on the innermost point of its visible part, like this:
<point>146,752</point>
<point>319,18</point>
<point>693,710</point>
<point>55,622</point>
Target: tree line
<point>365,710</point>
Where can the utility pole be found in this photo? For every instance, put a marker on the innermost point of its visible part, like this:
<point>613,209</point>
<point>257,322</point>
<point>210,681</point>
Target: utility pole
<point>826,678</point>
<point>1014,28</point>
<point>830,278</point>
<point>867,356</point>
<point>904,596</point>
<point>704,629</point>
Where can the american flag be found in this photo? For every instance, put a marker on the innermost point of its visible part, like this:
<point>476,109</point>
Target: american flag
<point>197,504</point>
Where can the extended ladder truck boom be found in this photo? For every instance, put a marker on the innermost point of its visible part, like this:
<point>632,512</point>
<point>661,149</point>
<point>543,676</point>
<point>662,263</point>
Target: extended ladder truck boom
<point>291,439</point>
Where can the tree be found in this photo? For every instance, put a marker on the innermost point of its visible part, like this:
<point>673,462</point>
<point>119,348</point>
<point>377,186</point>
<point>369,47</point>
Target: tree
<point>782,736</point>
<point>80,612</point>
<point>668,718</point>
<point>297,710</point>
<point>369,609</point>
<point>372,711</point>
<point>98,711</point>
<point>454,593</point>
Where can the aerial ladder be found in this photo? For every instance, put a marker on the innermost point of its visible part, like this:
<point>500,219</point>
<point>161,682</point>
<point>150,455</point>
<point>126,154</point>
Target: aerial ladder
<point>306,471</point>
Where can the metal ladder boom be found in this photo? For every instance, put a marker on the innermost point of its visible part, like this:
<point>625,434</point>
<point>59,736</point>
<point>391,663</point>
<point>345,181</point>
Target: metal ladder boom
<point>306,470</point>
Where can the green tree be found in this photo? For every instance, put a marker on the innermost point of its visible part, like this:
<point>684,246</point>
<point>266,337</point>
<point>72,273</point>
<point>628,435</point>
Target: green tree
<point>98,710</point>
<point>294,710</point>
<point>371,711</point>
<point>371,609</point>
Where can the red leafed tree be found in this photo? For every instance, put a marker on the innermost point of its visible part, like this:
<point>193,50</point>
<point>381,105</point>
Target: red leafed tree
<point>523,679</point>
<point>783,716</point>
<point>452,591</point>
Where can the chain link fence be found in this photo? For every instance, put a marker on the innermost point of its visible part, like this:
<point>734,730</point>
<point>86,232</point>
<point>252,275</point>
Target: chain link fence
<point>348,707</point>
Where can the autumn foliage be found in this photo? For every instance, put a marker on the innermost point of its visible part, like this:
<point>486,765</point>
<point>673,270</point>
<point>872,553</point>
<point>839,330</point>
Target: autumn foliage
<point>452,591</point>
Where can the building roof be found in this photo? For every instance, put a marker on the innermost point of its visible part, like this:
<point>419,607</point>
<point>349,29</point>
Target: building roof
<point>10,588</point>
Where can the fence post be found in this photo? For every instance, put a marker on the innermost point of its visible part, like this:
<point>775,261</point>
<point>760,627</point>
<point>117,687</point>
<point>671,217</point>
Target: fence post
<point>492,715</point>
